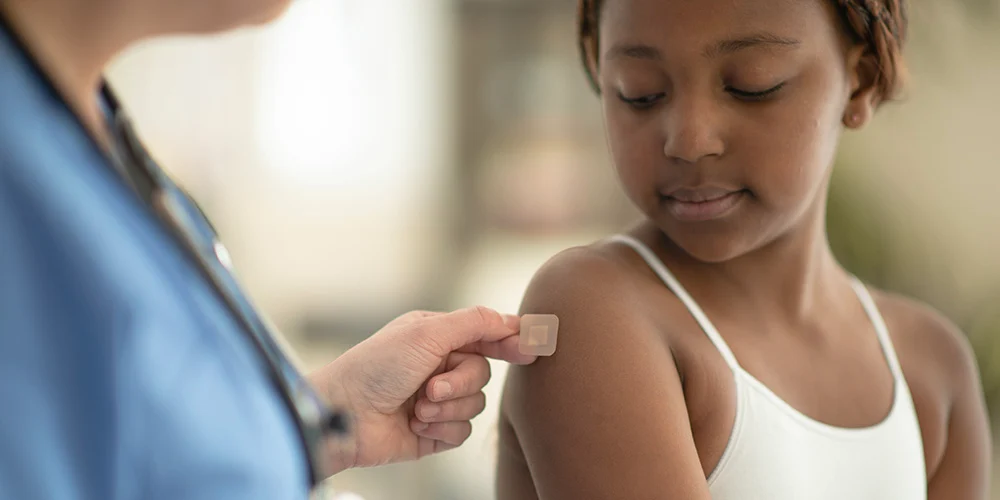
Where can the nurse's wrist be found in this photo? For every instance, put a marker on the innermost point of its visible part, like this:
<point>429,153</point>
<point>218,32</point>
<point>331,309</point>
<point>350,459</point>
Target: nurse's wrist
<point>329,382</point>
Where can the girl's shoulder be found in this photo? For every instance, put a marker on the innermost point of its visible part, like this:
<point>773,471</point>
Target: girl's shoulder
<point>941,372</point>
<point>926,341</point>
<point>598,272</point>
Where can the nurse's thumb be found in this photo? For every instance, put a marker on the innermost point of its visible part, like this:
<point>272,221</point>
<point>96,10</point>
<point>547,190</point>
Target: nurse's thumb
<point>446,333</point>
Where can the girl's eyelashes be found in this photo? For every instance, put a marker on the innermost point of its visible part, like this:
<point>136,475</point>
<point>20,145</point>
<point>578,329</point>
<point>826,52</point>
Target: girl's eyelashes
<point>647,101</point>
<point>643,101</point>
<point>755,96</point>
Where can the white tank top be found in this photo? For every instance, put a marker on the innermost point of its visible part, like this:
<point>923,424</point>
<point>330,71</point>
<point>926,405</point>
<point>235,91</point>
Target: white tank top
<point>776,452</point>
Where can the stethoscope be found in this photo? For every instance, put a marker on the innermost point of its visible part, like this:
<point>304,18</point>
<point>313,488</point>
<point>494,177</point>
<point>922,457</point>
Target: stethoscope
<point>318,425</point>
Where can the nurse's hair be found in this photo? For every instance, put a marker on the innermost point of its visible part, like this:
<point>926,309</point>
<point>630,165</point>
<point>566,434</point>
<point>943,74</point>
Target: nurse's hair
<point>879,24</point>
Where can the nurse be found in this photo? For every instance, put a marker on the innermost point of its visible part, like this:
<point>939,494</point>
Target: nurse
<point>131,364</point>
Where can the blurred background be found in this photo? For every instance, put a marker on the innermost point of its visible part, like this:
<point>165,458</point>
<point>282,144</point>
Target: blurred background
<point>365,158</point>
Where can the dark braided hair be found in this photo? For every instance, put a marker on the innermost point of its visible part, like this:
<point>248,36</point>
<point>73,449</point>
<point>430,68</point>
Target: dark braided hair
<point>879,24</point>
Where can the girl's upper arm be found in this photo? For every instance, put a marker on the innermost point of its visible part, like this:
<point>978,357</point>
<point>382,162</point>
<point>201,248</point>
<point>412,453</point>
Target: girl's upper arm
<point>965,469</point>
<point>605,416</point>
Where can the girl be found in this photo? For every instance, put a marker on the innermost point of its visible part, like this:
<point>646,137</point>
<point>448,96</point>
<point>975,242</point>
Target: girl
<point>718,350</point>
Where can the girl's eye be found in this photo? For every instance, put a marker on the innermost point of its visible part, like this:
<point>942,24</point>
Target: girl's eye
<point>641,102</point>
<point>752,96</point>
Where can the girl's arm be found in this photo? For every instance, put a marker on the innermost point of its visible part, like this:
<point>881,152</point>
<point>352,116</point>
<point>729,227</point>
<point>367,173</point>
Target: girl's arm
<point>605,417</point>
<point>965,468</point>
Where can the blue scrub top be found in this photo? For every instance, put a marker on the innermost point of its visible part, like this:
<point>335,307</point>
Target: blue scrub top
<point>122,374</point>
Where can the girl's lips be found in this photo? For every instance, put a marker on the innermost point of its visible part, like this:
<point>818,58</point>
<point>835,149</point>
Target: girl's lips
<point>703,204</point>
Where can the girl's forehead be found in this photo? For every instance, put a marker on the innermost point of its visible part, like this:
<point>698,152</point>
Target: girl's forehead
<point>688,20</point>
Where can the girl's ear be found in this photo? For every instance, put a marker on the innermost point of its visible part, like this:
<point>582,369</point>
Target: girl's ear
<point>590,62</point>
<point>863,72</point>
<point>588,42</point>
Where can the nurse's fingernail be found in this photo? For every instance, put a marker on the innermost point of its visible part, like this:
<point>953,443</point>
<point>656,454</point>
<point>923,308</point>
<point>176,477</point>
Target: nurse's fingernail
<point>419,426</point>
<point>430,411</point>
<point>442,390</point>
<point>512,321</point>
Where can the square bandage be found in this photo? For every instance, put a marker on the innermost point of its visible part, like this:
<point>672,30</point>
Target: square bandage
<point>538,334</point>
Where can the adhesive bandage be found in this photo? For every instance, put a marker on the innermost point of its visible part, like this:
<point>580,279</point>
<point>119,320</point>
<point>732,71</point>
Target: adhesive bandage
<point>538,334</point>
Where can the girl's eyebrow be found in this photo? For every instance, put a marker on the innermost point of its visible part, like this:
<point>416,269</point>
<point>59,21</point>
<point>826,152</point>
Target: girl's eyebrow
<point>762,38</point>
<point>724,47</point>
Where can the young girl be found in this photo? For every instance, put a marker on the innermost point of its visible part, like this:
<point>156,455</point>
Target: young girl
<point>718,350</point>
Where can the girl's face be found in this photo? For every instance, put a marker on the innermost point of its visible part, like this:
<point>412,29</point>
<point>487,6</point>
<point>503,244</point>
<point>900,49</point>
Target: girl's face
<point>723,116</point>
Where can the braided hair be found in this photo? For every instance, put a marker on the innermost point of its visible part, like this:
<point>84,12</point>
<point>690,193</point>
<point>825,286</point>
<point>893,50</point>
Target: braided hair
<point>879,24</point>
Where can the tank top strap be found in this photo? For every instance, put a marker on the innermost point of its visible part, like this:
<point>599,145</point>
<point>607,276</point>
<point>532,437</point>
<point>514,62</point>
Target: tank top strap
<point>675,286</point>
<point>881,330</point>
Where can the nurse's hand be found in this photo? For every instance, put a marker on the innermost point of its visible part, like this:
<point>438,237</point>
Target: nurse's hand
<point>412,388</point>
